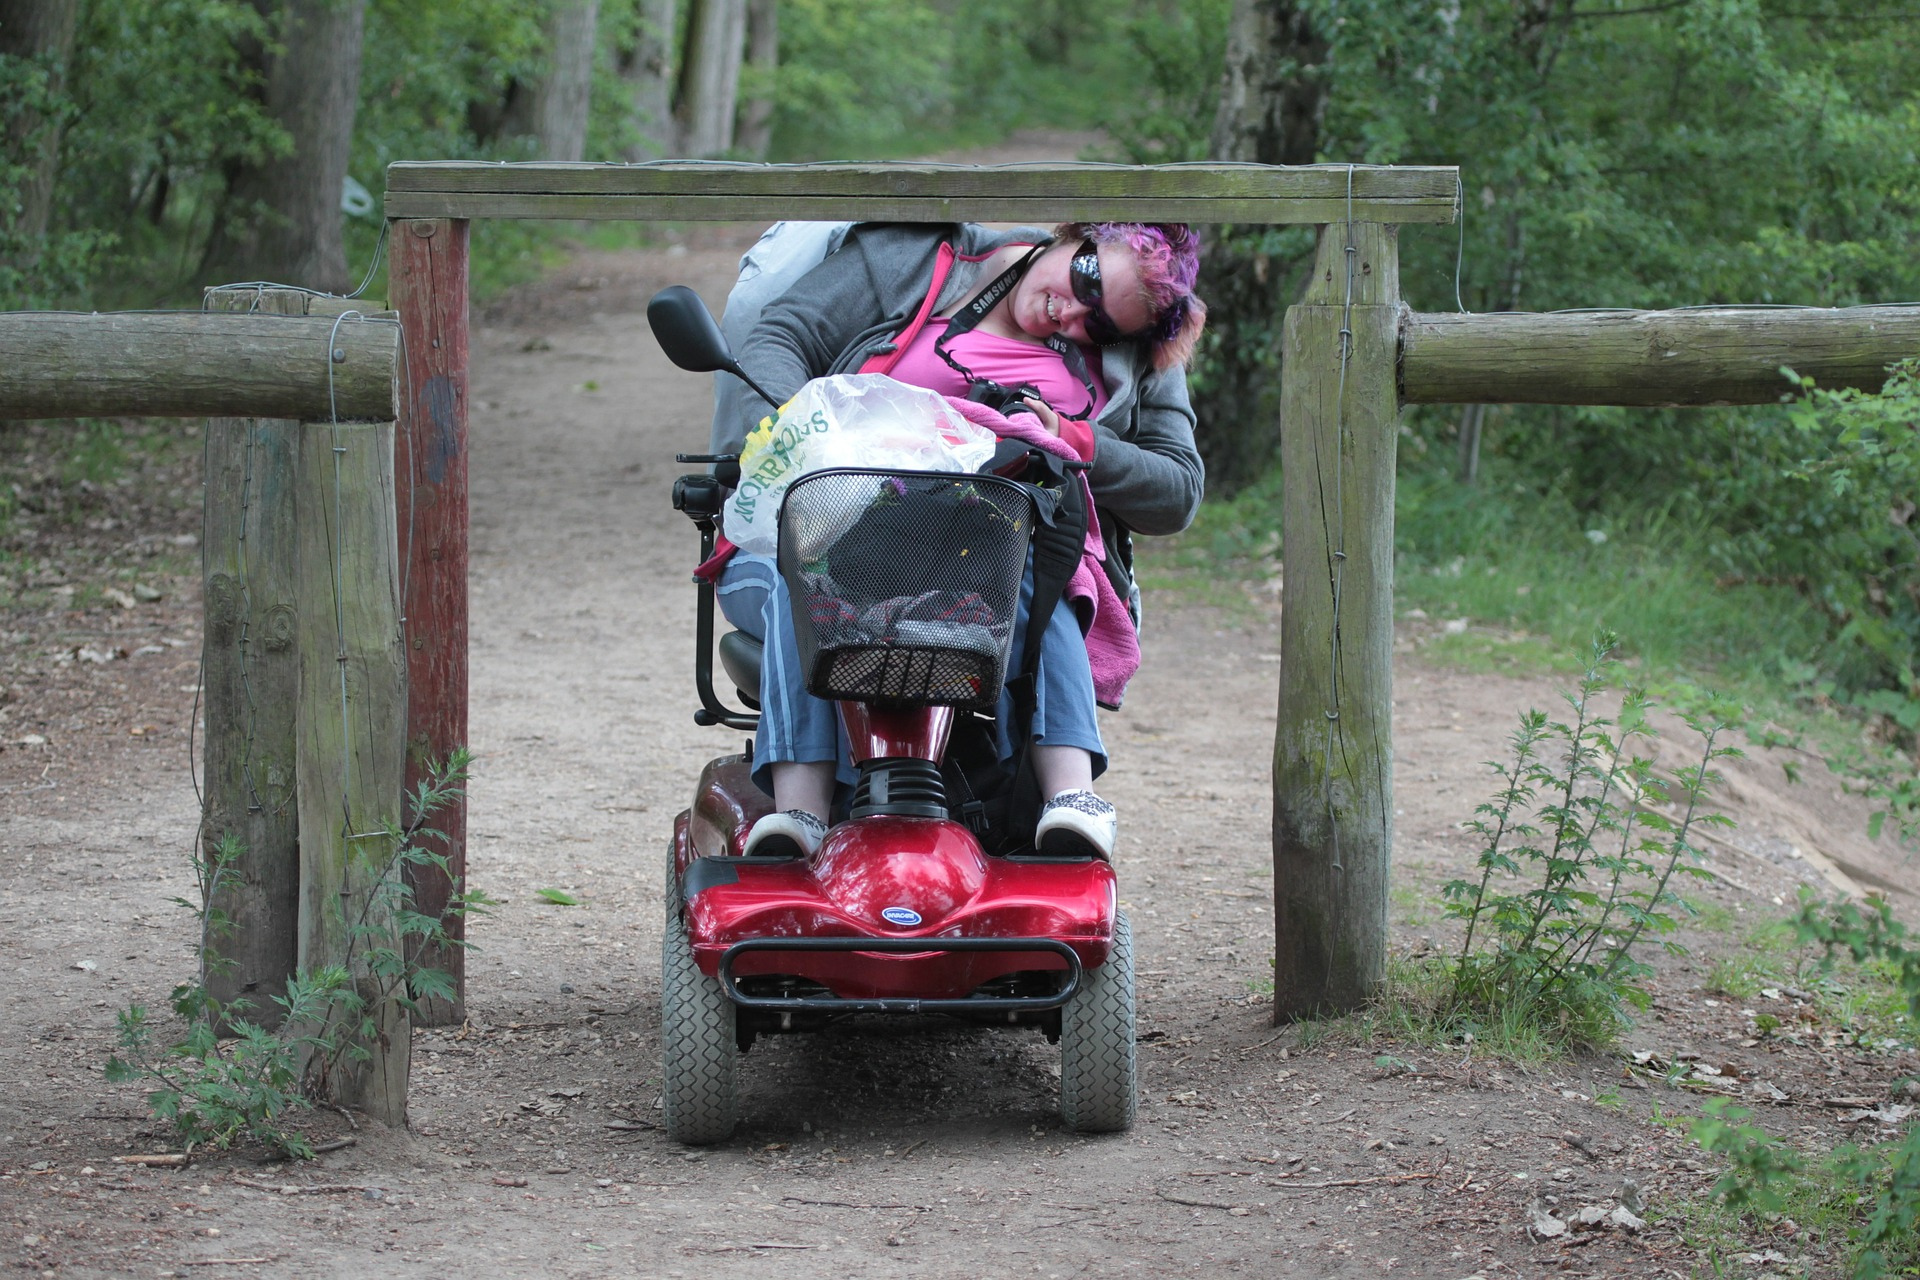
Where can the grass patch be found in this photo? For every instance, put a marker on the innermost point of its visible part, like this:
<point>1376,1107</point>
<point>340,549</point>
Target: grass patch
<point>1535,565</point>
<point>1802,995</point>
<point>1494,653</point>
<point>1813,1223</point>
<point>1525,579</point>
<point>1410,1009</point>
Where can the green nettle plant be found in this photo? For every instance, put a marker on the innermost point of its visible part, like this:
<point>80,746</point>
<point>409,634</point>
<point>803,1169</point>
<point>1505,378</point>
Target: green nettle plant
<point>229,1077</point>
<point>1583,842</point>
<point>1875,1190</point>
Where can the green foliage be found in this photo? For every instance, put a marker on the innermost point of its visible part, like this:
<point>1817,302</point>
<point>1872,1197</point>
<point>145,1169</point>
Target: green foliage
<point>1877,1189</point>
<point>1171,74</point>
<point>1623,154</point>
<point>165,99</point>
<point>1581,846</point>
<point>1620,154</point>
<point>951,72</point>
<point>229,1078</point>
<point>1757,1162</point>
<point>211,1089</point>
<point>1861,454</point>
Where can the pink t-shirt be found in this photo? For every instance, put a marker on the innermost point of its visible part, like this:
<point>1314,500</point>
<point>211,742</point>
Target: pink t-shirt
<point>1004,360</point>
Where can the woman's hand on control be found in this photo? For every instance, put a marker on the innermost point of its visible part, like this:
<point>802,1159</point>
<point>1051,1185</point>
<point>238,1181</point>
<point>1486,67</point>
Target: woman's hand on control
<point>1043,411</point>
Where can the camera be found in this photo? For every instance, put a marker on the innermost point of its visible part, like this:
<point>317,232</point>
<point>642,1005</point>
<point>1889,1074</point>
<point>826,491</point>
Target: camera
<point>1000,397</point>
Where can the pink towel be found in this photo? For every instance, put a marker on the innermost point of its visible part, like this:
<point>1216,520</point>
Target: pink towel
<point>1113,647</point>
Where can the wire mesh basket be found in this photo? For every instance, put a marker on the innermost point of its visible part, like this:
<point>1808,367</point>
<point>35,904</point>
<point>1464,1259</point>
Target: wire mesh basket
<point>904,583</point>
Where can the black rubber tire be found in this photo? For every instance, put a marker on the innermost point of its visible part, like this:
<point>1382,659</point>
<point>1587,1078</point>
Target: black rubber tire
<point>1099,1074</point>
<point>699,1055</point>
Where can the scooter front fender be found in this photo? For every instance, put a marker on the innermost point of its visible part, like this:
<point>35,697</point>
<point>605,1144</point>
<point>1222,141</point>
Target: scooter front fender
<point>893,877</point>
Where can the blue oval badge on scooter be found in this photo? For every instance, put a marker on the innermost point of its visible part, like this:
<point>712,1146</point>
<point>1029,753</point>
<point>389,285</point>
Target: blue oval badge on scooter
<point>905,917</point>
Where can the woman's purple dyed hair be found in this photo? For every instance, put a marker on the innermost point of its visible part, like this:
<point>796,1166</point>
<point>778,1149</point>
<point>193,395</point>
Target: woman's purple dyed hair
<point>1168,254</point>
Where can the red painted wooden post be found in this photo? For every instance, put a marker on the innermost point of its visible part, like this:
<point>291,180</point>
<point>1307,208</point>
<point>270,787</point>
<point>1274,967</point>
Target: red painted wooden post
<point>427,285</point>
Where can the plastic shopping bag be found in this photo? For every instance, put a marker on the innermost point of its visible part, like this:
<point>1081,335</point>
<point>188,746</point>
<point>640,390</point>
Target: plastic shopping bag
<point>848,420</point>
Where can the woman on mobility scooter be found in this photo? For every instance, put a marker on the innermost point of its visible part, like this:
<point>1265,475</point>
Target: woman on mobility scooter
<point>1084,336</point>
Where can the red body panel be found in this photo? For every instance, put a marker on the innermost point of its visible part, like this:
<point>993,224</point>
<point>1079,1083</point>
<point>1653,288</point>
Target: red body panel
<point>877,733</point>
<point>932,868</point>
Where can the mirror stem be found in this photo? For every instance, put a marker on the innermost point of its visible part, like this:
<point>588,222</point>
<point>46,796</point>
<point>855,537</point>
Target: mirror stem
<point>758,390</point>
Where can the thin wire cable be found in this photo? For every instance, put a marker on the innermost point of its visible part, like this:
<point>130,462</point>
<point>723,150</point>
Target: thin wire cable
<point>336,545</point>
<point>373,267</point>
<point>1460,252</point>
<point>413,477</point>
<point>1337,535</point>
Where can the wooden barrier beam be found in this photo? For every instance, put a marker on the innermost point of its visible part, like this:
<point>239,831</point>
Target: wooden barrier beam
<point>1333,743</point>
<point>194,364</point>
<point>352,717</point>
<point>428,282</point>
<point>920,192</point>
<point>251,676</point>
<point>1696,356</point>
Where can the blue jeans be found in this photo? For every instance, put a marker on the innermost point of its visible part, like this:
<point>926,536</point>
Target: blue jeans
<point>796,727</point>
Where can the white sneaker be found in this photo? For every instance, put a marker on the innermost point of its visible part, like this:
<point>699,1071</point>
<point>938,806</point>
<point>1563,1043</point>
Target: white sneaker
<point>794,833</point>
<point>1076,824</point>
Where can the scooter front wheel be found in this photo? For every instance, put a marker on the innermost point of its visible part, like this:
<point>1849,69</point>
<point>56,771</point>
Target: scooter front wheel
<point>1099,1075</point>
<point>699,1055</point>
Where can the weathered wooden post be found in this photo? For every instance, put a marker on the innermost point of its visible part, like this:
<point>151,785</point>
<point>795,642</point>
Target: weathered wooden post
<point>352,734</point>
<point>428,283</point>
<point>251,681</point>
<point>1333,749</point>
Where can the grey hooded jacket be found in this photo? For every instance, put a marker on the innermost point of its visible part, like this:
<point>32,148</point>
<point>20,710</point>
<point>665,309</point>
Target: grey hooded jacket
<point>1147,475</point>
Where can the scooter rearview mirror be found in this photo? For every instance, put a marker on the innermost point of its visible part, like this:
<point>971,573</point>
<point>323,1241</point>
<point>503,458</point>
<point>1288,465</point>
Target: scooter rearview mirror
<point>686,331</point>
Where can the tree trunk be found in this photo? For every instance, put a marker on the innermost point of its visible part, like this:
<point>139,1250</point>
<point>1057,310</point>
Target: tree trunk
<point>561,99</point>
<point>1273,96</point>
<point>710,76</point>
<point>647,69</point>
<point>763,56</point>
<point>282,215</point>
<point>40,31</point>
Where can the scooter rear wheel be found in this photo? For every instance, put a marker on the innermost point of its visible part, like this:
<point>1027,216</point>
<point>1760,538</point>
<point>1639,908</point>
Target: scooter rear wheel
<point>1099,1076</point>
<point>699,1055</point>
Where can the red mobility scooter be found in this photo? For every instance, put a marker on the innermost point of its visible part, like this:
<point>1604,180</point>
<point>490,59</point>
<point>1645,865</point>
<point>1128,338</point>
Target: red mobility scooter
<point>904,587</point>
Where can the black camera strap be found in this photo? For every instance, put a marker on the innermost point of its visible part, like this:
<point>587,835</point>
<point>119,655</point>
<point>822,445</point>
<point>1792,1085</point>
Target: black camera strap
<point>968,317</point>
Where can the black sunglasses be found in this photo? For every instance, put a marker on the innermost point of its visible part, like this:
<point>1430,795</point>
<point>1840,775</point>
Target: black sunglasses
<point>1083,274</point>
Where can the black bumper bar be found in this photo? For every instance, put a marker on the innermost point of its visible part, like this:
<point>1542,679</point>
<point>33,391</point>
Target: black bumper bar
<point>896,1004</point>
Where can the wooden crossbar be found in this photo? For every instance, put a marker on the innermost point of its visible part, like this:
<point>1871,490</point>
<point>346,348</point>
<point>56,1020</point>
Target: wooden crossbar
<point>1693,356</point>
<point>920,192</point>
<point>193,364</point>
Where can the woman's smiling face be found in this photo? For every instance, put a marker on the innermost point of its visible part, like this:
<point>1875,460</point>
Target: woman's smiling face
<point>1043,303</point>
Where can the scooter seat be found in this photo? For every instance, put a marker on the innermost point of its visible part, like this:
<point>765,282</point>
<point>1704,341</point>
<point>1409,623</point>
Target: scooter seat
<point>740,659</point>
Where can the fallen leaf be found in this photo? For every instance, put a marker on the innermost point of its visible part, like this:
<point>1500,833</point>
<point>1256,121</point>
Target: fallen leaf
<point>1545,1225</point>
<point>558,897</point>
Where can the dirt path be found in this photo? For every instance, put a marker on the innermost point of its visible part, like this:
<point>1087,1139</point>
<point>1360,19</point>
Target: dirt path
<point>868,1150</point>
